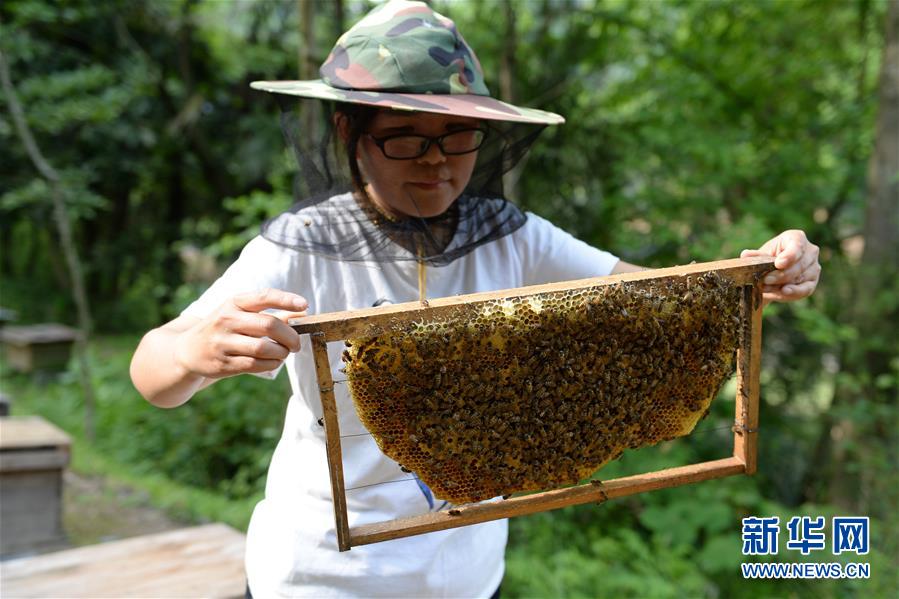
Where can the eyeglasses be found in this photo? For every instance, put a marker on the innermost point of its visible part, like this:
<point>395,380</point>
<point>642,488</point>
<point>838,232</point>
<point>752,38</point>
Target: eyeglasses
<point>407,147</point>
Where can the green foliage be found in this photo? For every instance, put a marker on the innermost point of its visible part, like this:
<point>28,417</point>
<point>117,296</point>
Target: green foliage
<point>222,440</point>
<point>694,130</point>
<point>583,560</point>
<point>143,128</point>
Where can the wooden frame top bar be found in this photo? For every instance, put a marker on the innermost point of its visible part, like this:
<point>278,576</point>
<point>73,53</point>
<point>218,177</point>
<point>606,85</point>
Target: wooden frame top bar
<point>348,324</point>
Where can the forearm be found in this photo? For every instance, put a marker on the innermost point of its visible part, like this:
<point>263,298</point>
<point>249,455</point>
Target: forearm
<point>157,375</point>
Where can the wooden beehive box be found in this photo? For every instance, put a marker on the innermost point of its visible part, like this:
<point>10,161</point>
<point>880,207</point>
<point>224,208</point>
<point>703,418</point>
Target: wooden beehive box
<point>40,347</point>
<point>33,455</point>
<point>7,316</point>
<point>743,302</point>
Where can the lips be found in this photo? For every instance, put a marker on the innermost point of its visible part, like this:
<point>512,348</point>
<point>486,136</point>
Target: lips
<point>434,184</point>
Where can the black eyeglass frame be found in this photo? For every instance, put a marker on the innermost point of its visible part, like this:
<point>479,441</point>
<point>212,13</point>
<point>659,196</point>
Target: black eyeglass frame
<point>382,141</point>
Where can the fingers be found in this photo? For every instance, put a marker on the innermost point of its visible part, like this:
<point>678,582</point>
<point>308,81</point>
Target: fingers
<point>263,325</point>
<point>238,337</point>
<point>253,347</point>
<point>788,293</point>
<point>769,248</point>
<point>796,263</point>
<point>792,246</point>
<point>805,268</point>
<point>237,354</point>
<point>286,317</point>
<point>232,365</point>
<point>785,248</point>
<point>804,283</point>
<point>248,322</point>
<point>780,277</point>
<point>257,301</point>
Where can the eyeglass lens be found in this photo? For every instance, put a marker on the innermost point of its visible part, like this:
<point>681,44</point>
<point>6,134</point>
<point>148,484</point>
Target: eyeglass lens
<point>413,146</point>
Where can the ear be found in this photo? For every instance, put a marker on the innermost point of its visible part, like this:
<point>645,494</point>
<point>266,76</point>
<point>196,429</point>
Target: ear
<point>342,125</point>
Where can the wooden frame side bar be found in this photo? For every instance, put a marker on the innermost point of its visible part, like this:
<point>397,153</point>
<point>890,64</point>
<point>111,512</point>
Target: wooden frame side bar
<point>332,438</point>
<point>347,325</point>
<point>749,356</point>
<point>548,500</point>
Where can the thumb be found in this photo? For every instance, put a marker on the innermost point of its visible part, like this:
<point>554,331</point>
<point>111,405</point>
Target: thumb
<point>752,253</point>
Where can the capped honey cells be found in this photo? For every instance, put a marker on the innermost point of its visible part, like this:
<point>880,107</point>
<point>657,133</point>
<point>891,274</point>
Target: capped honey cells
<point>540,392</point>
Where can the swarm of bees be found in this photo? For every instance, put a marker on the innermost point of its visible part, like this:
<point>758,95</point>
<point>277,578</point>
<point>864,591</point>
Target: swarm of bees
<point>541,391</point>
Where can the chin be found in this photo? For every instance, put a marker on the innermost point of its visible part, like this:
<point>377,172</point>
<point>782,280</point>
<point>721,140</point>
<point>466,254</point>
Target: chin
<point>427,207</point>
<point>432,211</point>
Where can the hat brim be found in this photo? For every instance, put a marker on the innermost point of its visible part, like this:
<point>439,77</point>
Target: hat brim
<point>479,107</point>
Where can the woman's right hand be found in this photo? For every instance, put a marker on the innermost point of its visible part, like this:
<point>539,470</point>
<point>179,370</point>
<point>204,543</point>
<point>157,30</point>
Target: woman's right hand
<point>176,360</point>
<point>238,338</point>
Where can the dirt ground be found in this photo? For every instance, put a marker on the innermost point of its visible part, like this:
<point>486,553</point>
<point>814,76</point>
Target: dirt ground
<point>96,510</point>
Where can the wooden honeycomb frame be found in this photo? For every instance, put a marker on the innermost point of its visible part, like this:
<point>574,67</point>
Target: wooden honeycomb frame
<point>336,326</point>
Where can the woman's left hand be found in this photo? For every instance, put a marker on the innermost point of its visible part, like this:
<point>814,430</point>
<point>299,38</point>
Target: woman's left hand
<point>796,261</point>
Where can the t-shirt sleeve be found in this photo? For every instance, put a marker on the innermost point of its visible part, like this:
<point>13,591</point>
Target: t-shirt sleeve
<point>261,264</point>
<point>550,254</point>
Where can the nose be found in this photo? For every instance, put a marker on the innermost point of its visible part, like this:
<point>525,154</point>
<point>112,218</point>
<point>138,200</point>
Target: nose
<point>434,155</point>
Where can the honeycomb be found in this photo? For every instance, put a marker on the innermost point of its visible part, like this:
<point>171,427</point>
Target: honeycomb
<point>540,392</point>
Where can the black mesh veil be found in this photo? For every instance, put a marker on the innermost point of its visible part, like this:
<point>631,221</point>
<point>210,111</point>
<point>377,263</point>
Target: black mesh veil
<point>333,218</point>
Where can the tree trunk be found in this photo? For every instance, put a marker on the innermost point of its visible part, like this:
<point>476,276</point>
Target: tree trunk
<point>882,215</point>
<point>507,86</point>
<point>308,69</point>
<point>868,439</point>
<point>64,228</point>
<point>338,18</point>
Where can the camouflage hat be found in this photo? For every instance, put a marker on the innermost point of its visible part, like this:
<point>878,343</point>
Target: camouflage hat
<point>403,55</point>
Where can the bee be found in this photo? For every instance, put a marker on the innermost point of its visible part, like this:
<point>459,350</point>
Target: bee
<point>546,397</point>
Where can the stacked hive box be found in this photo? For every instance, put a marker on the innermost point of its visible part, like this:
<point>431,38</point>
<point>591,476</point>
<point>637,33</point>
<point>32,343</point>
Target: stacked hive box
<point>33,455</point>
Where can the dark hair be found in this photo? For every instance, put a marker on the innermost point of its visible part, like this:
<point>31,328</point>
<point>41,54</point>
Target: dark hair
<point>358,118</point>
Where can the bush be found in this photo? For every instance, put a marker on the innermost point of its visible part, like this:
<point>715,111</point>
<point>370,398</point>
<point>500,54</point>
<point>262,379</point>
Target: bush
<point>221,440</point>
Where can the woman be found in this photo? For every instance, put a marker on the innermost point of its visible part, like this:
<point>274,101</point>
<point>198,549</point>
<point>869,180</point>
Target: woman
<point>426,148</point>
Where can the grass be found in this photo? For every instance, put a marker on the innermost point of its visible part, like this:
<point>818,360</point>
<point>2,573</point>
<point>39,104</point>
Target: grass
<point>58,398</point>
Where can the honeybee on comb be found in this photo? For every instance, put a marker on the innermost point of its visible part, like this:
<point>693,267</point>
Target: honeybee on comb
<point>539,392</point>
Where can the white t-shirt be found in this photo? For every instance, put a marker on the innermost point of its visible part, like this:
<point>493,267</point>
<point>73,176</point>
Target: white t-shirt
<point>291,542</point>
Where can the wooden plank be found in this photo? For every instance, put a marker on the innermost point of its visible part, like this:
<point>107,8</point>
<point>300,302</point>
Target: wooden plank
<point>21,432</point>
<point>355,323</point>
<point>30,460</point>
<point>332,438</point>
<point>33,334</point>
<point>201,561</point>
<point>548,500</point>
<point>749,356</point>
